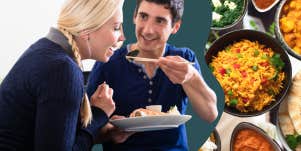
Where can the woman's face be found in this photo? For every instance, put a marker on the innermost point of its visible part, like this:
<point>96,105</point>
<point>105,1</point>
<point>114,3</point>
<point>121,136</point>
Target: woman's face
<point>106,39</point>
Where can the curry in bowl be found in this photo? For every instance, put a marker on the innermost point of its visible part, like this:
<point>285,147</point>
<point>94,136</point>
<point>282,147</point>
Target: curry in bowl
<point>253,70</point>
<point>250,74</point>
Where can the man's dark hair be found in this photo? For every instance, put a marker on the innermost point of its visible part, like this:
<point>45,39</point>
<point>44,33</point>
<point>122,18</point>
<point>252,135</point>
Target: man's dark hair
<point>176,7</point>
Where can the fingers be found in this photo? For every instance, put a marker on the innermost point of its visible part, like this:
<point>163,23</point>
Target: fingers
<point>173,62</point>
<point>174,76</point>
<point>105,91</point>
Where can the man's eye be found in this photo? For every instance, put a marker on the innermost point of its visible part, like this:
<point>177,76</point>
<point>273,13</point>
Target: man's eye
<point>143,16</point>
<point>161,21</point>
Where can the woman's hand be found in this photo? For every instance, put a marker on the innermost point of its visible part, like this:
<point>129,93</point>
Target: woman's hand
<point>117,135</point>
<point>103,99</point>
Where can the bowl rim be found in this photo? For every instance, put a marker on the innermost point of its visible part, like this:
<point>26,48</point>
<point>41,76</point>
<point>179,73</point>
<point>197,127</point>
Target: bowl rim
<point>278,32</point>
<point>266,9</point>
<point>218,141</point>
<point>247,125</point>
<point>244,11</point>
<point>289,74</point>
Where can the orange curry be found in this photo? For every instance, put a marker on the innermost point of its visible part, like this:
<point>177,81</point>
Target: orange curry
<point>250,140</point>
<point>263,4</point>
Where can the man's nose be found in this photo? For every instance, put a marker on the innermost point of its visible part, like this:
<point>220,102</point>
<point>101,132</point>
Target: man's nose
<point>148,28</point>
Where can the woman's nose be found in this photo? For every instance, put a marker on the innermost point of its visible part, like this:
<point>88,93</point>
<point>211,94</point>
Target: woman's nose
<point>121,37</point>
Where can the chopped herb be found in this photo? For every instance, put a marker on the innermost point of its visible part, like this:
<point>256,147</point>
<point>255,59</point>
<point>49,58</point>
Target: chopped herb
<point>275,76</point>
<point>253,24</point>
<point>299,139</point>
<point>277,62</point>
<point>291,141</point>
<point>239,55</point>
<point>271,31</point>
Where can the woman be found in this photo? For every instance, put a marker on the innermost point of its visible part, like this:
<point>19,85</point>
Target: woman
<point>43,105</point>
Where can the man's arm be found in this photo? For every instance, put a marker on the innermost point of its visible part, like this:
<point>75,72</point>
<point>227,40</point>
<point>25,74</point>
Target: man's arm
<point>203,99</point>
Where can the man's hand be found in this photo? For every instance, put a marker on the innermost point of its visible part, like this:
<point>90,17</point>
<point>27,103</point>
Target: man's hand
<point>176,69</point>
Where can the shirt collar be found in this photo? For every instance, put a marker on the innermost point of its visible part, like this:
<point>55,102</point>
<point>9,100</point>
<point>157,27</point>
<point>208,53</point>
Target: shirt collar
<point>59,38</point>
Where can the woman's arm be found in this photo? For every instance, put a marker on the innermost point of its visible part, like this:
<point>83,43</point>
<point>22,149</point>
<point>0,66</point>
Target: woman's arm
<point>60,92</point>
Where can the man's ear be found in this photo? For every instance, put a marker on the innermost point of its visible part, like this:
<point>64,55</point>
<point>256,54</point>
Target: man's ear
<point>134,18</point>
<point>176,27</point>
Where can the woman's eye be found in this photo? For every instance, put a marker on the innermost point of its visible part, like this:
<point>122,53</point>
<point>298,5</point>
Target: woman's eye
<point>117,28</point>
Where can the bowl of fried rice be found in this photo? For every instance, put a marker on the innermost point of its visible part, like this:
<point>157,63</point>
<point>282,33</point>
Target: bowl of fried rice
<point>253,70</point>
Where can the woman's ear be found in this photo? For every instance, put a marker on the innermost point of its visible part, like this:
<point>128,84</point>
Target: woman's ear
<point>84,35</point>
<point>176,27</point>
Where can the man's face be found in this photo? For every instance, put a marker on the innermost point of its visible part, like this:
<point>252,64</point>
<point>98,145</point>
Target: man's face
<point>153,26</point>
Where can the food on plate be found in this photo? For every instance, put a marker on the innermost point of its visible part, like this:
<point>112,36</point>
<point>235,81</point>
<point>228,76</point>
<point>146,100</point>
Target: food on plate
<point>225,12</point>
<point>157,108</point>
<point>290,115</point>
<point>145,112</point>
<point>290,24</point>
<point>209,145</point>
<point>250,140</point>
<point>250,74</point>
<point>173,111</point>
<point>153,111</point>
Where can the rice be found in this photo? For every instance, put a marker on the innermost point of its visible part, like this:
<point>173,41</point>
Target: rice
<point>248,75</point>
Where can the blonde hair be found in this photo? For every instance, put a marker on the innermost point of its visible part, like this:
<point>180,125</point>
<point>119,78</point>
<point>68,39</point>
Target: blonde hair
<point>86,16</point>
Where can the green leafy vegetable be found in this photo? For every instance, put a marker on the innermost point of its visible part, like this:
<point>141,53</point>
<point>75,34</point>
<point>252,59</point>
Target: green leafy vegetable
<point>229,16</point>
<point>277,62</point>
<point>291,141</point>
<point>253,24</point>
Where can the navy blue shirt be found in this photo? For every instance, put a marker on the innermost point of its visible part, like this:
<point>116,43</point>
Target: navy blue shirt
<point>133,89</point>
<point>40,101</point>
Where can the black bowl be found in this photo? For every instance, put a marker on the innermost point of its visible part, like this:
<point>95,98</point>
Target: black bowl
<point>278,32</point>
<point>268,41</point>
<point>246,125</point>
<point>217,140</point>
<point>237,24</point>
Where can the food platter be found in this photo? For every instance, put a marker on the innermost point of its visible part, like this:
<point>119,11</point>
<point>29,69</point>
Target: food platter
<point>150,123</point>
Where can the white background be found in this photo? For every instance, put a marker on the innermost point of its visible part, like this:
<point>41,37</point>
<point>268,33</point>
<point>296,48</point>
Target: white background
<point>21,24</point>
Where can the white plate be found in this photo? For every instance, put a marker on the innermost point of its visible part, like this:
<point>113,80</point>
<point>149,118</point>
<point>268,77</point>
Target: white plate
<point>150,123</point>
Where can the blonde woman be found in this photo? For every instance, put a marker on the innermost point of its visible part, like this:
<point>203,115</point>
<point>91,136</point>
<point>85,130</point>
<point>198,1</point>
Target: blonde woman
<point>43,105</point>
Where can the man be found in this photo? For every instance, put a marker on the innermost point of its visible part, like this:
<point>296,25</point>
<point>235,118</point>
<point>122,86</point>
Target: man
<point>168,82</point>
